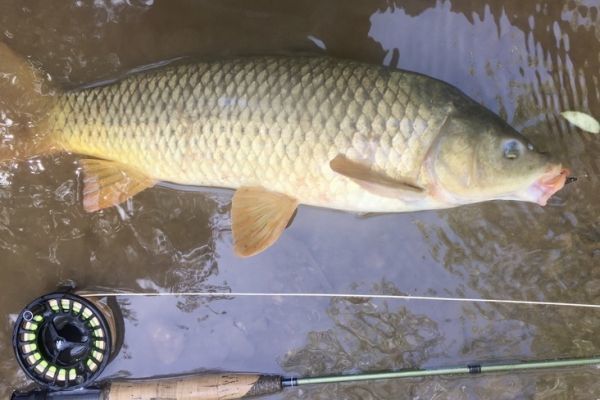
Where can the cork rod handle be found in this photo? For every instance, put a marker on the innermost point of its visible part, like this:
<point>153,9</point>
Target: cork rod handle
<point>195,387</point>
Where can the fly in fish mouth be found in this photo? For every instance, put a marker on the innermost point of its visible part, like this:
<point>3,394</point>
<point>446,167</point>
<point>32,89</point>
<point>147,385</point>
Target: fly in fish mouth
<point>571,179</point>
<point>550,183</point>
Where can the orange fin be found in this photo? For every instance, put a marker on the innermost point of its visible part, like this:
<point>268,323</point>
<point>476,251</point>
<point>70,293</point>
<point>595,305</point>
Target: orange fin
<point>108,183</point>
<point>258,217</point>
<point>373,181</point>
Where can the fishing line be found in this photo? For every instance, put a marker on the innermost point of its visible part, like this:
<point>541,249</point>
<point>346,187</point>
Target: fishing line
<point>344,295</point>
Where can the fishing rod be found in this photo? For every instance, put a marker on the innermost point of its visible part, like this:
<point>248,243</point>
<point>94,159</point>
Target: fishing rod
<point>230,386</point>
<point>63,341</point>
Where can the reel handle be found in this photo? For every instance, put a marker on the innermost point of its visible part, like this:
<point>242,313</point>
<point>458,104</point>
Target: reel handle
<point>196,387</point>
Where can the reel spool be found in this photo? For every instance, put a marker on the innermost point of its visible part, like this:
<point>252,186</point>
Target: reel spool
<point>63,341</point>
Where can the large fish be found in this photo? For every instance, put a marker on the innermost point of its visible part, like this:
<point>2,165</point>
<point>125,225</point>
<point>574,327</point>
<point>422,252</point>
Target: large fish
<point>285,131</point>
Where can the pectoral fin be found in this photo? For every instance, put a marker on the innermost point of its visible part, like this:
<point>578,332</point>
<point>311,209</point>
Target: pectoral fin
<point>108,183</point>
<point>373,181</point>
<point>258,217</point>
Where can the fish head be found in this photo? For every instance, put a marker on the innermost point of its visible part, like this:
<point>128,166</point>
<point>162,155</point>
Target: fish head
<point>479,157</point>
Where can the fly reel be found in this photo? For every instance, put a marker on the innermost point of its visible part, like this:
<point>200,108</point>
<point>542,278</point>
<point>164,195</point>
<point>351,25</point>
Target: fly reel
<point>64,341</point>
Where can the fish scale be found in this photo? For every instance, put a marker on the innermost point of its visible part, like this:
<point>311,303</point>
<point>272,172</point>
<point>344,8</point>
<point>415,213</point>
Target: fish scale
<point>274,122</point>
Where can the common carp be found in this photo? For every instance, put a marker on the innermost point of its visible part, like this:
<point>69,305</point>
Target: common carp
<point>289,130</point>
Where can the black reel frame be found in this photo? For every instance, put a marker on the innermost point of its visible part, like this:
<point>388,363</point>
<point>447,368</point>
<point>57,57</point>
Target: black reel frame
<point>62,341</point>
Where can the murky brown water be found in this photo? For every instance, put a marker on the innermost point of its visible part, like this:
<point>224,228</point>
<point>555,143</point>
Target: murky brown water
<point>526,60</point>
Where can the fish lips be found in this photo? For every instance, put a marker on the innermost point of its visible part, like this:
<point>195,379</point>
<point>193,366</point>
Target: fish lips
<point>546,186</point>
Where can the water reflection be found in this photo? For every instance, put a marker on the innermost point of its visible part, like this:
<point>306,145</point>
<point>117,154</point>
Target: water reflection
<point>450,57</point>
<point>516,73</point>
<point>366,336</point>
<point>377,336</point>
<point>517,256</point>
<point>226,334</point>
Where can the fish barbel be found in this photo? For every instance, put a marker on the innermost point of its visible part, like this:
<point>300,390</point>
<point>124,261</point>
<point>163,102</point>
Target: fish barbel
<point>285,131</point>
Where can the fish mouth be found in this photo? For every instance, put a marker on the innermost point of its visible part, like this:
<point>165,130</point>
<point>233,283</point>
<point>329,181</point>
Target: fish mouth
<point>551,182</point>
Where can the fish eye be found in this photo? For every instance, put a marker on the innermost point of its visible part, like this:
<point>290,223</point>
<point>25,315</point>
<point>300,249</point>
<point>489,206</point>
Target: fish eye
<point>512,149</point>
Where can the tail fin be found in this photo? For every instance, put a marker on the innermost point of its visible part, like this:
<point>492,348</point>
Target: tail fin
<point>25,101</point>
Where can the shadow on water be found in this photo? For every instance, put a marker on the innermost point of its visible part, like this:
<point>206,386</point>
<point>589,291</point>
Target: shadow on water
<point>524,60</point>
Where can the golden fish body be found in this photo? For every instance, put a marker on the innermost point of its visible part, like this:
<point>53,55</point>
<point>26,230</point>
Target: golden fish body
<point>291,130</point>
<point>283,131</point>
<point>270,122</point>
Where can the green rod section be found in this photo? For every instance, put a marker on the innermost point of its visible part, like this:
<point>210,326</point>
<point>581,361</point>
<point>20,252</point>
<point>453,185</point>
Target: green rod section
<point>471,369</point>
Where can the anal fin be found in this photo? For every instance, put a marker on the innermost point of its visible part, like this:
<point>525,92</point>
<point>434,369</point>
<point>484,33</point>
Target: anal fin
<point>108,183</point>
<point>258,217</point>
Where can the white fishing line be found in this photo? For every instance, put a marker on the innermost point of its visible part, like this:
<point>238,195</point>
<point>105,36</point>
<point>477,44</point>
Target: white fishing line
<point>345,295</point>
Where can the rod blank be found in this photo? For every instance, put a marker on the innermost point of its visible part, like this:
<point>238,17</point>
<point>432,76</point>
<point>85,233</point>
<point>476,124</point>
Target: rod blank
<point>470,369</point>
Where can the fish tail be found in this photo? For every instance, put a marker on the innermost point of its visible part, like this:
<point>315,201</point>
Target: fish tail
<point>26,98</point>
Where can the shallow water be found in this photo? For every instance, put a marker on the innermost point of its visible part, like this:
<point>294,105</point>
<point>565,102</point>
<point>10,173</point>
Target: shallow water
<point>525,60</point>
